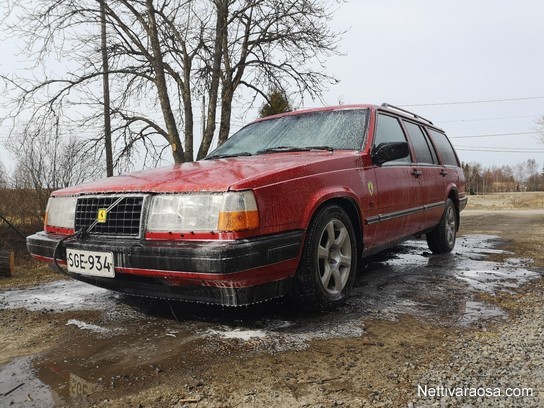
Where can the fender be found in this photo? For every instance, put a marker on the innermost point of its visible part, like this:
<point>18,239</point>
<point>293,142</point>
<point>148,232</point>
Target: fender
<point>327,194</point>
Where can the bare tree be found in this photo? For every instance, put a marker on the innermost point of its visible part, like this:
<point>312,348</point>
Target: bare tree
<point>473,177</point>
<point>540,128</point>
<point>3,176</point>
<point>533,178</point>
<point>270,43</point>
<point>136,51</point>
<point>46,160</point>
<point>162,55</point>
<point>531,167</point>
<point>520,172</point>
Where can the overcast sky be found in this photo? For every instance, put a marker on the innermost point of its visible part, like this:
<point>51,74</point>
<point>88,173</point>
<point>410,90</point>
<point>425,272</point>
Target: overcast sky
<point>416,52</point>
<point>434,54</point>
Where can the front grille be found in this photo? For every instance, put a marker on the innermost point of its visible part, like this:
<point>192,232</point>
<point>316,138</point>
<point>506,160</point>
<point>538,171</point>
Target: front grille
<point>121,220</point>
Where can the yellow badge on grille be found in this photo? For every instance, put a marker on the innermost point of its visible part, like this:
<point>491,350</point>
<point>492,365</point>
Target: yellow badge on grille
<point>102,215</point>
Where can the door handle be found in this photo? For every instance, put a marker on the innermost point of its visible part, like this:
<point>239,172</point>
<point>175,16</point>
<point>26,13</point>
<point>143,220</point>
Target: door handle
<point>416,173</point>
<point>443,173</point>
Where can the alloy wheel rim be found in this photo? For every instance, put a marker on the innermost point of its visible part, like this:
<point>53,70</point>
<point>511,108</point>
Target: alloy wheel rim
<point>334,256</point>
<point>450,226</point>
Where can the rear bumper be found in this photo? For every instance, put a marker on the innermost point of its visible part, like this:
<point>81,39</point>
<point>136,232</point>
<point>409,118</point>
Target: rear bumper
<point>224,272</point>
<point>463,203</point>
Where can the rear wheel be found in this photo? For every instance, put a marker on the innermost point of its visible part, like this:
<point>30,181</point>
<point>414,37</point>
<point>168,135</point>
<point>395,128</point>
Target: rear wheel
<point>329,260</point>
<point>441,240</point>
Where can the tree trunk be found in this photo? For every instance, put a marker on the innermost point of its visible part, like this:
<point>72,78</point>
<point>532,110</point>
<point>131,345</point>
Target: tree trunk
<point>162,88</point>
<point>220,27</point>
<point>187,108</point>
<point>226,113</point>
<point>7,263</point>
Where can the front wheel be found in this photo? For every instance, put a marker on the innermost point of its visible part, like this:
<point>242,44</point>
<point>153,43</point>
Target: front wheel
<point>441,239</point>
<point>329,260</point>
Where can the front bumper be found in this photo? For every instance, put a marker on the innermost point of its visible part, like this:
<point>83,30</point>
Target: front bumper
<point>231,273</point>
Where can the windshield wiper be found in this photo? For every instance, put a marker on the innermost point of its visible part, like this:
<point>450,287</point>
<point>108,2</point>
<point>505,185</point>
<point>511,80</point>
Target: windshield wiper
<point>281,149</point>
<point>329,148</point>
<point>226,155</point>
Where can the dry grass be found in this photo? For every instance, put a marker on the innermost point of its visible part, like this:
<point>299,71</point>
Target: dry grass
<point>28,272</point>
<point>506,201</point>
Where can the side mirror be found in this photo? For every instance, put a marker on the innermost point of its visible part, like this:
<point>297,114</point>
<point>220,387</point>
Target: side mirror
<point>386,152</point>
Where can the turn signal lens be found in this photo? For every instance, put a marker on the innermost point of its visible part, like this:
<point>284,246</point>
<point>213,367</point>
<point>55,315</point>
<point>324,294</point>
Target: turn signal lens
<point>238,220</point>
<point>239,212</point>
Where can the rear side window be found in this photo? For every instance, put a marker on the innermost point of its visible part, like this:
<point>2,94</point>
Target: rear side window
<point>387,131</point>
<point>424,150</point>
<point>444,147</point>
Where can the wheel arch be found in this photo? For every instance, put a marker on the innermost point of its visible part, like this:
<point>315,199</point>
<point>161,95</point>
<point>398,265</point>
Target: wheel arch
<point>349,205</point>
<point>453,195</point>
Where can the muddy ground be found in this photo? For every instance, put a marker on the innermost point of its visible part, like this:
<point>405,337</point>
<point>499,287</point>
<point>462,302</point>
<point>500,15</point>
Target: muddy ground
<point>65,343</point>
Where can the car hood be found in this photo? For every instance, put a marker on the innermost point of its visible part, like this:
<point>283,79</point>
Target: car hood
<point>235,173</point>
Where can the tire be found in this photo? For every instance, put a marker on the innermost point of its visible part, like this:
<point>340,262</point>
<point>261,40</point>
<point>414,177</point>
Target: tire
<point>329,260</point>
<point>441,240</point>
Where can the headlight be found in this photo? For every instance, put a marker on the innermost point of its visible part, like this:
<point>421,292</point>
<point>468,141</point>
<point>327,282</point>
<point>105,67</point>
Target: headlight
<point>61,212</point>
<point>234,211</point>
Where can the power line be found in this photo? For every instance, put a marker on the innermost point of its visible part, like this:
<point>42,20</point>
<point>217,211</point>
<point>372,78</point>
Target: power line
<point>503,148</point>
<point>499,149</point>
<point>474,102</point>
<point>494,135</point>
<point>486,119</point>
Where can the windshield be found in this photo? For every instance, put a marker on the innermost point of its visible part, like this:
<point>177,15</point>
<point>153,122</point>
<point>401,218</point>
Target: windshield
<point>340,129</point>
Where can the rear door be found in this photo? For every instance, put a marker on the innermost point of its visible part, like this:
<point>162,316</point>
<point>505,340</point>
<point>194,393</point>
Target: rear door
<point>431,175</point>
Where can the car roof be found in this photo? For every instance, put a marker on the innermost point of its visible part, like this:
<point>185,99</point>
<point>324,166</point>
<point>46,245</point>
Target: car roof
<point>383,107</point>
<point>320,109</point>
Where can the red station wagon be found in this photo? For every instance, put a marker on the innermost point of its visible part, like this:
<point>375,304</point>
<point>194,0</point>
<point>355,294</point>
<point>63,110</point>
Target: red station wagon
<point>288,205</point>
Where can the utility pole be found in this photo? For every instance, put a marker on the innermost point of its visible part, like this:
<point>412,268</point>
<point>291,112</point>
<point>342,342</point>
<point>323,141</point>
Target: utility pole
<point>106,91</point>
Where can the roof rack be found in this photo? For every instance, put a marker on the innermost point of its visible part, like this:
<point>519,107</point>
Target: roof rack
<point>387,105</point>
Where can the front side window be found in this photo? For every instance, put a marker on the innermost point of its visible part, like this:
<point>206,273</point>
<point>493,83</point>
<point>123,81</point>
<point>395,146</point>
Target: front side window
<point>342,129</point>
<point>389,130</point>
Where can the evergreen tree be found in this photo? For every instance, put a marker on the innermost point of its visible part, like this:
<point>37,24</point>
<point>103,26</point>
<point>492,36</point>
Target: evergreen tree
<point>277,103</point>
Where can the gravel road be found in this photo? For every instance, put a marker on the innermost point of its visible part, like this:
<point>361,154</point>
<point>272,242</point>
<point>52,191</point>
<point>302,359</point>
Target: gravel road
<point>419,331</point>
<point>487,365</point>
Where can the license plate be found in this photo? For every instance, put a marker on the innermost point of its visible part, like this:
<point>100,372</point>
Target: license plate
<point>90,263</point>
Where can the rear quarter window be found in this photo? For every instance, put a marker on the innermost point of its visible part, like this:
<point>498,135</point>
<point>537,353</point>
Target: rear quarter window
<point>444,148</point>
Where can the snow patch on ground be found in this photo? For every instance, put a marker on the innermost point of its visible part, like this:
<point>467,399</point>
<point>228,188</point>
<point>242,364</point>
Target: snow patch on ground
<point>280,335</point>
<point>88,326</point>
<point>239,334</point>
<point>57,297</point>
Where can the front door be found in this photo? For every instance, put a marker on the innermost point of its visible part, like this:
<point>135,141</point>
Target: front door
<point>397,188</point>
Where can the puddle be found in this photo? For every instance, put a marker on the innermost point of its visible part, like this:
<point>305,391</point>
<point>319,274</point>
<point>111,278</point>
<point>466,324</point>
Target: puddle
<point>410,280</point>
<point>135,337</point>
<point>478,311</point>
<point>405,280</point>
<point>20,387</point>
